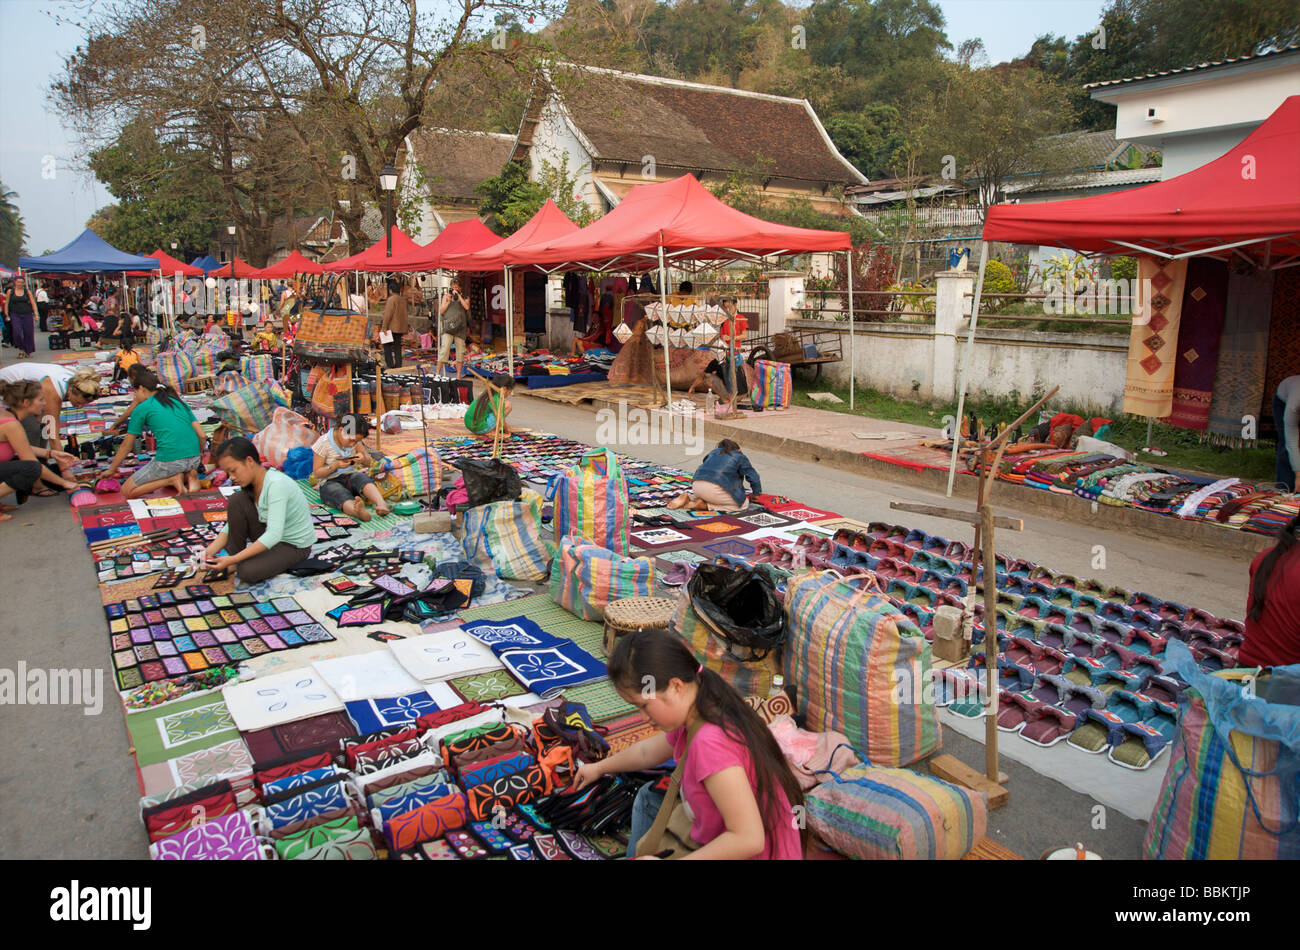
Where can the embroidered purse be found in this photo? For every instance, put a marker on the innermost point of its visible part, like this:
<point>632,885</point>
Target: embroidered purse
<point>357,846</point>
<point>352,750</point>
<point>365,763</point>
<point>507,792</point>
<point>294,845</point>
<point>278,768</point>
<point>205,804</point>
<point>410,801</point>
<point>405,831</point>
<point>495,768</point>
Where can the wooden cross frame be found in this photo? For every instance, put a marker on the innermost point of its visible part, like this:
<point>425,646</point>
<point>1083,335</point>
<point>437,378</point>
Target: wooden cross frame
<point>498,433</point>
<point>984,521</point>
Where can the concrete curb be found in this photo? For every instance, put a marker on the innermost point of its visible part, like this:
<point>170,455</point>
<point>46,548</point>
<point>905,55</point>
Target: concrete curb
<point>1008,498</point>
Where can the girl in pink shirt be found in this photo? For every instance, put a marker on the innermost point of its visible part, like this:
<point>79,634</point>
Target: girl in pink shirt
<point>736,784</point>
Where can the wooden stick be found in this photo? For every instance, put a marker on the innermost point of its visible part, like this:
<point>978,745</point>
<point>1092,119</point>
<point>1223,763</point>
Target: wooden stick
<point>379,394</point>
<point>990,646</point>
<point>953,514</point>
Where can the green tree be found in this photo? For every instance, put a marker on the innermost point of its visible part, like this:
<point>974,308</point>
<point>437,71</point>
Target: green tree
<point>13,232</point>
<point>511,198</point>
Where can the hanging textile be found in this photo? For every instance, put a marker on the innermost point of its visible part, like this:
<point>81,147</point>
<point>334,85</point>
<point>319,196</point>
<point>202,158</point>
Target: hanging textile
<point>1283,337</point>
<point>1149,387</point>
<point>1200,326</point>
<point>1243,351</point>
<point>517,304</point>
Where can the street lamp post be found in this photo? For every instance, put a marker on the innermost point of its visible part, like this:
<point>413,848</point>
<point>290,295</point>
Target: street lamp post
<point>388,182</point>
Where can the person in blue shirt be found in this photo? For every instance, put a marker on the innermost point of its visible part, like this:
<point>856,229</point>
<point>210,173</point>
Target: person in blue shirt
<point>719,482</point>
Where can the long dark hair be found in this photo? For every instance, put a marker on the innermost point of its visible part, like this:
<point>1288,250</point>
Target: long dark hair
<point>663,656</point>
<point>148,379</point>
<point>1288,539</point>
<point>728,446</point>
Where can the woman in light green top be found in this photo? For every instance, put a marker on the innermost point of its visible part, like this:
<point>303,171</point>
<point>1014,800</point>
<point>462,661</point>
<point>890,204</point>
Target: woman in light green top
<point>268,524</point>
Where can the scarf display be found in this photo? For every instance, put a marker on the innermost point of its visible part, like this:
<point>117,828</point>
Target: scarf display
<point>1149,386</point>
<point>1283,338</point>
<point>1200,329</point>
<point>1243,353</point>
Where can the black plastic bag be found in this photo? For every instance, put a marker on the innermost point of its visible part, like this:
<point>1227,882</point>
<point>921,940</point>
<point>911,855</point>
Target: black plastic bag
<point>488,480</point>
<point>741,607</point>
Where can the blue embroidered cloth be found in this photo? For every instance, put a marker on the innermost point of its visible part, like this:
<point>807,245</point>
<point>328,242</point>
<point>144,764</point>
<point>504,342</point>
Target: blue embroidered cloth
<point>371,715</point>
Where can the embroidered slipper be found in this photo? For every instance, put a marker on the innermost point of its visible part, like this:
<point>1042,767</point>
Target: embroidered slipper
<point>1047,725</point>
<point>1053,635</point>
<point>1087,670</point>
<point>1079,698</point>
<point>957,551</point>
<point>1050,689</point>
<point>1163,689</point>
<point>1014,710</point>
<point>1098,730</point>
<point>1141,745</point>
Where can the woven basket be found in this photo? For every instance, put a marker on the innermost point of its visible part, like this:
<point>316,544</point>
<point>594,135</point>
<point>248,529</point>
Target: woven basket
<point>636,613</point>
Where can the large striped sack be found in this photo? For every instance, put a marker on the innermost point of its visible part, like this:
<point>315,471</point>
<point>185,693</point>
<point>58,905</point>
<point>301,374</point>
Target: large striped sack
<point>257,367</point>
<point>861,667</point>
<point>588,578</point>
<point>773,388</point>
<point>876,814</point>
<point>591,501</point>
<point>228,382</point>
<point>506,536</point>
<point>1232,790</point>
<point>174,367</point>
<point>250,408</point>
<point>419,472</point>
<point>205,355</point>
<point>288,430</point>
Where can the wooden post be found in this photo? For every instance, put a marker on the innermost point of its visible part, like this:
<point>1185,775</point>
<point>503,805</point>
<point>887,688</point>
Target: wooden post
<point>990,646</point>
<point>379,395</point>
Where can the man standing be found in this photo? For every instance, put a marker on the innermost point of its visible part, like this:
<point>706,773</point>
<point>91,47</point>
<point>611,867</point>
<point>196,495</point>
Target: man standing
<point>394,325</point>
<point>1286,416</point>
<point>454,312</point>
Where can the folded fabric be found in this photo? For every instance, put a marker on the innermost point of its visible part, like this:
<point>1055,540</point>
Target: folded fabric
<point>379,796</point>
<point>366,676</point>
<point>212,801</point>
<point>228,838</point>
<point>364,616</point>
<point>443,655</point>
<point>507,792</point>
<point>372,715</point>
<point>300,780</point>
<point>512,633</point>
<point>429,821</point>
<point>279,698</point>
<point>547,671</point>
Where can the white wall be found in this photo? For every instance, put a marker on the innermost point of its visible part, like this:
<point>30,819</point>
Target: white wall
<point>1089,368</point>
<point>553,140</point>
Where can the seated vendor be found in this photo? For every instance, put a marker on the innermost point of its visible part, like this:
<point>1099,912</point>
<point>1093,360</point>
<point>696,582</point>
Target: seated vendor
<point>58,383</point>
<point>26,401</point>
<point>1272,635</point>
<point>20,469</point>
<point>178,438</point>
<point>719,481</point>
<point>268,522</point>
<point>342,484</point>
<point>489,406</point>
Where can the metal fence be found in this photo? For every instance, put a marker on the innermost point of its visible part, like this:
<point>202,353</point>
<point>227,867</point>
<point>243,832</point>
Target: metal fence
<point>751,299</point>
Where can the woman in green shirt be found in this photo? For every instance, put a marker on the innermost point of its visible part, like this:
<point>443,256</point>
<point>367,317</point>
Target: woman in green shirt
<point>178,436</point>
<point>268,524</point>
<point>492,404</point>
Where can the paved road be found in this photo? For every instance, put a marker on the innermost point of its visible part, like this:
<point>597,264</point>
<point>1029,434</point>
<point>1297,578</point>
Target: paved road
<point>68,788</point>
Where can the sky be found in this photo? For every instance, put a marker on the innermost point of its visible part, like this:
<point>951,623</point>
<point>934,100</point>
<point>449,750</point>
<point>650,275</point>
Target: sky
<point>38,156</point>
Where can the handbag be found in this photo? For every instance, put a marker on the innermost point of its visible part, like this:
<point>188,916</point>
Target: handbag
<point>419,472</point>
<point>331,394</point>
<point>773,387</point>
<point>332,336</point>
<point>671,830</point>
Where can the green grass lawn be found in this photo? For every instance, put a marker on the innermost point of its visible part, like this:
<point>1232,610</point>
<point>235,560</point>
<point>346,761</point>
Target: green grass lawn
<point>1186,451</point>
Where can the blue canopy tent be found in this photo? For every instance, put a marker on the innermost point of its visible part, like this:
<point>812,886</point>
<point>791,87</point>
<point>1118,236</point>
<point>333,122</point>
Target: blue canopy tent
<point>207,263</point>
<point>88,254</point>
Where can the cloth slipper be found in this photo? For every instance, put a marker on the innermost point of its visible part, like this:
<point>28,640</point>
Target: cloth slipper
<point>1163,689</point>
<point>1053,636</point>
<point>1098,729</point>
<point>1085,670</point>
<point>1014,709</point>
<point>957,685</point>
<point>1140,746</point>
<point>1047,725</point>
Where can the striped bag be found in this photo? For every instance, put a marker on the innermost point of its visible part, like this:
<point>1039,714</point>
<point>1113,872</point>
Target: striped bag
<point>591,501</point>
<point>1232,790</point>
<point>588,578</point>
<point>878,814</point>
<point>752,678</point>
<point>860,667</point>
<point>419,472</point>
<point>257,367</point>
<point>505,536</point>
<point>173,368</point>
<point>773,387</point>
<point>228,382</point>
<point>250,408</point>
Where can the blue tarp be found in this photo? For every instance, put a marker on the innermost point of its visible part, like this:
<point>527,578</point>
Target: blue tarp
<point>88,253</point>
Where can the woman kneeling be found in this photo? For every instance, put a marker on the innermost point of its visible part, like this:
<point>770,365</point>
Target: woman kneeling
<point>178,436</point>
<point>268,524</point>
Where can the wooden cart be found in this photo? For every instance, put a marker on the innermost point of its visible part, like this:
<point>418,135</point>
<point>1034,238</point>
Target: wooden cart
<point>799,348</point>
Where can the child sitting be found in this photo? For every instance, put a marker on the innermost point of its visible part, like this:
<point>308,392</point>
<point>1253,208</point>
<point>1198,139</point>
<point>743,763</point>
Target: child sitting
<point>125,358</point>
<point>342,485</point>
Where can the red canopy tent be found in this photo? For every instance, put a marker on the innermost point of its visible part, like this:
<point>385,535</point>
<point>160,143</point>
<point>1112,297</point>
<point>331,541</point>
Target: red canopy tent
<point>237,268</point>
<point>548,224</point>
<point>459,237</point>
<point>676,220</point>
<point>169,266</point>
<point>1245,203</point>
<point>1250,196</point>
<point>295,263</point>
<point>375,258</point>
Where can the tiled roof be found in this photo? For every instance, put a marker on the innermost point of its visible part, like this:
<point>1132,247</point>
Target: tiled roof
<point>692,126</point>
<point>454,161</point>
<point>1199,66</point>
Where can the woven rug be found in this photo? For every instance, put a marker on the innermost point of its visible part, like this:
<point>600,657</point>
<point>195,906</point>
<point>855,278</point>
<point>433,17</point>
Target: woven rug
<point>1149,385</point>
<point>1200,327</point>
<point>376,523</point>
<point>1283,336</point>
<point>1243,353</point>
<point>601,700</point>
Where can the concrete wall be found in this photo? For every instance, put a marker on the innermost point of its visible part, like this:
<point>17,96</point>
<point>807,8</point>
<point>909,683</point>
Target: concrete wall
<point>899,360</point>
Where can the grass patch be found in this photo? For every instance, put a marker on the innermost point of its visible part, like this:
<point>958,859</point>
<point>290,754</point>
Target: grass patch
<point>1185,449</point>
